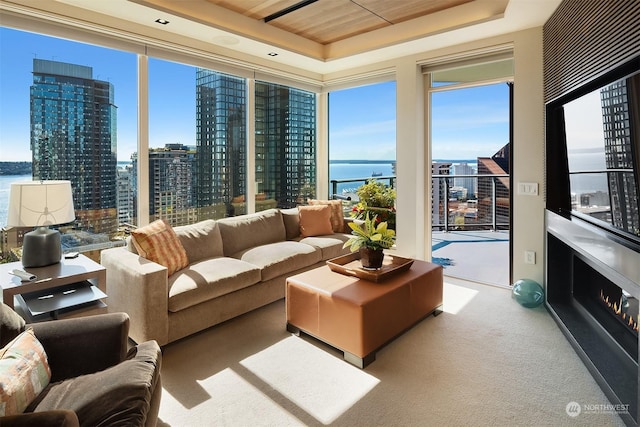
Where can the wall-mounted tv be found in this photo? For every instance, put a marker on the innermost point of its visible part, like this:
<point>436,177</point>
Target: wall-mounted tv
<point>599,126</point>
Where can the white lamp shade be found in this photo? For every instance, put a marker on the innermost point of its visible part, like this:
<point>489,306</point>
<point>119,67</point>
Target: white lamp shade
<point>40,203</point>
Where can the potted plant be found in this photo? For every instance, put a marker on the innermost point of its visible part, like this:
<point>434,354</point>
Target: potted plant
<point>370,238</point>
<point>377,199</point>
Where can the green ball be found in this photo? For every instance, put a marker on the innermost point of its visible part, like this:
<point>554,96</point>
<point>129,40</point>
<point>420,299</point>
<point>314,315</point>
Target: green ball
<point>528,293</point>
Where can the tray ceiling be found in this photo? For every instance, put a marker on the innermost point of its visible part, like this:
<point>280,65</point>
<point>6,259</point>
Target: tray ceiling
<point>328,21</point>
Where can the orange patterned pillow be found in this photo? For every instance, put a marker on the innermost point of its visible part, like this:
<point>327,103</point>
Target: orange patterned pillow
<point>337,213</point>
<point>24,373</point>
<point>158,242</point>
<point>315,220</point>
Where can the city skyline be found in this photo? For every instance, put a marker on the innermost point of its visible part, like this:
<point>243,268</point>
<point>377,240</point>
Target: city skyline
<point>471,124</point>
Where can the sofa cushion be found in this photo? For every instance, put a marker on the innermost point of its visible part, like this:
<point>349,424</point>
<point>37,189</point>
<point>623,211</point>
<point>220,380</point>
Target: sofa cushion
<point>276,259</point>
<point>291,218</point>
<point>158,242</point>
<point>118,396</point>
<point>201,240</point>
<point>315,220</point>
<point>337,213</point>
<point>330,245</point>
<point>247,231</point>
<point>24,373</point>
<point>208,279</point>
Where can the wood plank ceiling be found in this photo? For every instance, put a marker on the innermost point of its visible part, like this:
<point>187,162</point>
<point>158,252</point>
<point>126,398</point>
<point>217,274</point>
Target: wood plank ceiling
<point>328,21</point>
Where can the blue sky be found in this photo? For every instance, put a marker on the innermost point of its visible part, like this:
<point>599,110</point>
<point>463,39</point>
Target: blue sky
<point>467,123</point>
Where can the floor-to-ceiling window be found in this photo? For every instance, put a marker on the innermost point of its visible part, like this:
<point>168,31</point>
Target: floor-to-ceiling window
<point>362,139</point>
<point>67,112</point>
<point>285,146</point>
<point>70,111</point>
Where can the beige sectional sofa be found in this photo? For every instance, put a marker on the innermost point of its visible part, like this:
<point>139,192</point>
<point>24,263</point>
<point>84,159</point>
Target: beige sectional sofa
<point>236,265</point>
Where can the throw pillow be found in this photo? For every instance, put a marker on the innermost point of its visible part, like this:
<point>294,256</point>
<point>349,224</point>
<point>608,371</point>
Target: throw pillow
<point>315,220</point>
<point>24,373</point>
<point>159,243</point>
<point>337,213</point>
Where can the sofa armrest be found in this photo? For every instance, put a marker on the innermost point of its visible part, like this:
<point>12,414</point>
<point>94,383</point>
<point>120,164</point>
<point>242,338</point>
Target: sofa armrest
<point>140,288</point>
<point>55,418</point>
<point>83,345</point>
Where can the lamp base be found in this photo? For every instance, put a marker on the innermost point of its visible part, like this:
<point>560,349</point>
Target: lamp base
<point>41,247</point>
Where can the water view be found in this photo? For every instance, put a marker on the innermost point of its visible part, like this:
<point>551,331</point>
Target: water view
<point>5,187</point>
<point>347,170</point>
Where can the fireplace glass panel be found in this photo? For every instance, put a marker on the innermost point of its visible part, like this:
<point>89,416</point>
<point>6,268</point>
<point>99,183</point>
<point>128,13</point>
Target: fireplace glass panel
<point>612,307</point>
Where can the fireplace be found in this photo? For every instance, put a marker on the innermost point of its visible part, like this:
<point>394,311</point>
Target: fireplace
<point>592,291</point>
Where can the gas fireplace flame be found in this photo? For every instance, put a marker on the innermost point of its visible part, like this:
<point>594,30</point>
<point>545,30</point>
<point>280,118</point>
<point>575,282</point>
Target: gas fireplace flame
<point>616,307</point>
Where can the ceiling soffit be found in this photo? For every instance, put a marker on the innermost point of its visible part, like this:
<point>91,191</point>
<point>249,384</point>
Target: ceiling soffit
<point>333,29</point>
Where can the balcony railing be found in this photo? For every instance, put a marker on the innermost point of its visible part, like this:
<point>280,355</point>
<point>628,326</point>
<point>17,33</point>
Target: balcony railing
<point>489,204</point>
<point>495,220</point>
<point>388,180</point>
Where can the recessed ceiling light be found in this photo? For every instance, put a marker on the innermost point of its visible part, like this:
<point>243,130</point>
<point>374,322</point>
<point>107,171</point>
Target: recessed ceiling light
<point>272,54</point>
<point>162,21</point>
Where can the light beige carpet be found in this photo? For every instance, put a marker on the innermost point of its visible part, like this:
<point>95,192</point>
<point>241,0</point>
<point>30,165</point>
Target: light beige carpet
<point>485,361</point>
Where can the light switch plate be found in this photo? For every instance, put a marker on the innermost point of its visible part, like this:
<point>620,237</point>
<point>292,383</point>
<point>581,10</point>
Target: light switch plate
<point>528,188</point>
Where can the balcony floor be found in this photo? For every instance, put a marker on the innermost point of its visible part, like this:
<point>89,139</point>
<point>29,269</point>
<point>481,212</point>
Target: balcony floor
<point>480,256</point>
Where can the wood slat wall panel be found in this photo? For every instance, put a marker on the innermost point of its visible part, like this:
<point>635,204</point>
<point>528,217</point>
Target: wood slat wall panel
<point>584,39</point>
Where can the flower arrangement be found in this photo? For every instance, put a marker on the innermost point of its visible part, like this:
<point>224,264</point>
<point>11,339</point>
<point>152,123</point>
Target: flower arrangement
<point>370,235</point>
<point>378,200</point>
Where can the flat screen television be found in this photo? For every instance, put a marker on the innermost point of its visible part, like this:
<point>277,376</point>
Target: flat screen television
<point>598,127</point>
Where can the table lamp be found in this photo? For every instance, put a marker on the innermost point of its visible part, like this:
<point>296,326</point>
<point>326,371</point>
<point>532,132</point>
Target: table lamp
<point>40,204</point>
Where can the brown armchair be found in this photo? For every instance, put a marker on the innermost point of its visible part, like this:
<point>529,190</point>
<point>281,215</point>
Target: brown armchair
<point>95,379</point>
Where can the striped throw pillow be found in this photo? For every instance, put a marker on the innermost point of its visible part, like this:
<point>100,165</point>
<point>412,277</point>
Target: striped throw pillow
<point>159,243</point>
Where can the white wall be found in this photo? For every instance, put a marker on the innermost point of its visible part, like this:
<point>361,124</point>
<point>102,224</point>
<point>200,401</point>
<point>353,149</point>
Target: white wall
<point>413,170</point>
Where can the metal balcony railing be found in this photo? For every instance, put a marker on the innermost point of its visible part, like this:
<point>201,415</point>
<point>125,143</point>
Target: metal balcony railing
<point>437,180</point>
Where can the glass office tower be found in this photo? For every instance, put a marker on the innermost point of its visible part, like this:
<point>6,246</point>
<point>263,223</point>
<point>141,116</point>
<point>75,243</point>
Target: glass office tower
<point>619,135</point>
<point>221,144</point>
<point>73,137</point>
<point>285,146</point>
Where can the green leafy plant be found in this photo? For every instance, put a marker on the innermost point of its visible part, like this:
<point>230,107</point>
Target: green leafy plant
<point>370,235</point>
<point>377,200</point>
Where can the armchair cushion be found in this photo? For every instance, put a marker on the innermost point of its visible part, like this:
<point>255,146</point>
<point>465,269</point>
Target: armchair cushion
<point>55,418</point>
<point>24,373</point>
<point>11,324</point>
<point>83,345</point>
<point>119,395</point>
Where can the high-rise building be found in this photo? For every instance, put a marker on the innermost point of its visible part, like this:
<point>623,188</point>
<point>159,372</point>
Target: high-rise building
<point>469,183</point>
<point>221,152</point>
<point>285,140</point>
<point>73,137</point>
<point>125,192</point>
<point>285,144</point>
<point>498,164</point>
<point>620,154</point>
<point>439,192</point>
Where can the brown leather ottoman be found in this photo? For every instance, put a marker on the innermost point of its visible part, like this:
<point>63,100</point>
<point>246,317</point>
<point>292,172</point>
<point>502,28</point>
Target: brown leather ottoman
<point>358,316</point>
